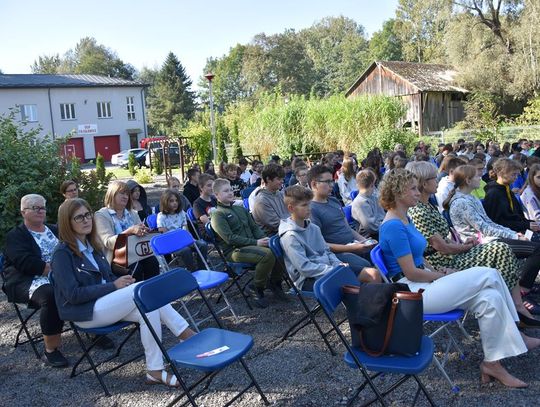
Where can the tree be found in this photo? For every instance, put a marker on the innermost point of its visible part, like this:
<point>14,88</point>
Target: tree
<point>339,50</point>
<point>47,64</point>
<point>421,25</point>
<point>385,45</point>
<point>88,57</point>
<point>171,98</point>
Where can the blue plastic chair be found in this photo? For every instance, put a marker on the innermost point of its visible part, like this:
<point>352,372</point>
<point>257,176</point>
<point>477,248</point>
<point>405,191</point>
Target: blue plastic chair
<point>309,318</point>
<point>446,318</point>
<point>328,292</point>
<point>161,290</point>
<point>175,240</point>
<point>191,215</point>
<point>151,221</point>
<point>246,192</point>
<point>353,194</point>
<point>245,202</point>
<point>347,211</point>
<point>237,271</point>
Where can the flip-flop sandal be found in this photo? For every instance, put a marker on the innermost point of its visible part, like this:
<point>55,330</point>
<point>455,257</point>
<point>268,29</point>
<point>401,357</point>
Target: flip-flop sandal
<point>531,306</point>
<point>171,382</point>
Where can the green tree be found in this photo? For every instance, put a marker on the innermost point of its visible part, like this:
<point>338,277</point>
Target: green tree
<point>100,168</point>
<point>132,164</point>
<point>339,50</point>
<point>385,45</point>
<point>28,164</point>
<point>88,57</point>
<point>421,25</point>
<point>236,147</point>
<point>171,97</point>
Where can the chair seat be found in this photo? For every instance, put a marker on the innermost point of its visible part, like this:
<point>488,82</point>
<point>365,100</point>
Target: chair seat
<point>104,330</point>
<point>209,279</point>
<point>185,353</point>
<point>395,364</point>
<point>445,316</point>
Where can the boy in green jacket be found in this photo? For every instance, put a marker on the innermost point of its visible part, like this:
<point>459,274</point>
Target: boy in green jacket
<point>245,242</point>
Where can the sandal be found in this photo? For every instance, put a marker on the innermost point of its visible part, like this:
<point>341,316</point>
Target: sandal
<point>169,381</point>
<point>531,305</point>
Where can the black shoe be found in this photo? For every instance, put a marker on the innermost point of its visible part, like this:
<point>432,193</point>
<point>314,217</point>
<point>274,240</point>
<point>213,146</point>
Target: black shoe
<point>56,359</point>
<point>103,342</point>
<point>277,290</point>
<point>526,322</point>
<point>257,294</point>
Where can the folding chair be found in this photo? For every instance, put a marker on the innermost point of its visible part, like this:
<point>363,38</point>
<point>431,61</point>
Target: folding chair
<point>166,288</point>
<point>179,239</point>
<point>353,194</point>
<point>328,292</point>
<point>309,317</point>
<point>236,270</point>
<point>151,221</point>
<point>104,330</point>
<point>347,211</point>
<point>446,318</point>
<point>32,339</point>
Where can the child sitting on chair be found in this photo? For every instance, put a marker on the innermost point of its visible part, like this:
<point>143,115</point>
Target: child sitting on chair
<point>307,256</point>
<point>172,217</point>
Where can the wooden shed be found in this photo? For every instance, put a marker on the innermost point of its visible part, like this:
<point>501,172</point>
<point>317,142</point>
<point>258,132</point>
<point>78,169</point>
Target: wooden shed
<point>434,102</point>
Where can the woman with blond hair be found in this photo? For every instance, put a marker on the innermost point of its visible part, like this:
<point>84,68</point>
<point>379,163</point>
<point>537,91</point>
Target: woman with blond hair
<point>480,290</point>
<point>118,217</point>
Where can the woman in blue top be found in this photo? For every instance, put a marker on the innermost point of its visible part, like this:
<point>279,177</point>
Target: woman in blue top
<point>480,290</point>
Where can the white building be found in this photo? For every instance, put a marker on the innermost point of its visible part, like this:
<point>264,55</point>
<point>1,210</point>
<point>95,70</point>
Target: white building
<point>98,114</point>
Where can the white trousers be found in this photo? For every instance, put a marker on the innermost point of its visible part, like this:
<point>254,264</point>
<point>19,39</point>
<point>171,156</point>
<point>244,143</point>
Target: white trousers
<point>482,291</point>
<point>119,306</point>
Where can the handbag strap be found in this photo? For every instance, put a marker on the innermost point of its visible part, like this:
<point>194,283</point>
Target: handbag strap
<point>387,335</point>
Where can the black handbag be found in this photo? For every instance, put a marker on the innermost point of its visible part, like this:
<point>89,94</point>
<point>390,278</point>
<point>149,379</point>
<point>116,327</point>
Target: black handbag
<point>384,318</point>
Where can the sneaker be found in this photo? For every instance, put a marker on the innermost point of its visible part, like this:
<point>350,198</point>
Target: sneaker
<point>56,359</point>
<point>257,294</point>
<point>278,292</point>
<point>103,342</point>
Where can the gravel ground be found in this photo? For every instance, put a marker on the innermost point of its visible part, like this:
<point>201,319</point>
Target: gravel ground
<point>297,372</point>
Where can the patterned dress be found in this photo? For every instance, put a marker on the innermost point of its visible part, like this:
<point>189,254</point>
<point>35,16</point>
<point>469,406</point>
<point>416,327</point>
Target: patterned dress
<point>46,241</point>
<point>497,255</point>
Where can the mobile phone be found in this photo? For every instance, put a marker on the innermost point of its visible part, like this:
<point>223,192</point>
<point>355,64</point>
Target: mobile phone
<point>370,242</point>
<point>529,234</point>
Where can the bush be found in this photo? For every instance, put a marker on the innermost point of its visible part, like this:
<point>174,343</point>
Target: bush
<point>100,167</point>
<point>144,177</point>
<point>93,188</point>
<point>132,164</point>
<point>158,165</point>
<point>28,164</point>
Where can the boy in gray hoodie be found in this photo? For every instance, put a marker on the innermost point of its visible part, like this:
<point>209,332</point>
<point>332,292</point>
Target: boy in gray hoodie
<point>307,256</point>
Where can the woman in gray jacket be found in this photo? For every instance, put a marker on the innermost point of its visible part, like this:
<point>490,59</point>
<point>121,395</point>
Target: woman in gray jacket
<point>87,292</point>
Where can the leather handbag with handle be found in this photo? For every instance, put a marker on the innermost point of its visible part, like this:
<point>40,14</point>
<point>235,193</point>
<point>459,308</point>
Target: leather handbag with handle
<point>384,318</point>
<point>129,249</point>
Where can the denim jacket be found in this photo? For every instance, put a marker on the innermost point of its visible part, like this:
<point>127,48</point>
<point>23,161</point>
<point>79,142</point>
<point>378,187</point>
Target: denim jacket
<point>78,283</point>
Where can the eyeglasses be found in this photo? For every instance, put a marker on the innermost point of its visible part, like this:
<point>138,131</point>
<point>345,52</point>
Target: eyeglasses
<point>326,181</point>
<point>81,218</point>
<point>36,208</point>
<point>69,191</point>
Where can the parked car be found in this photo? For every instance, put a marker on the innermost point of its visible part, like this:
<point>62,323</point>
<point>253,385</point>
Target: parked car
<point>121,158</point>
<point>157,153</point>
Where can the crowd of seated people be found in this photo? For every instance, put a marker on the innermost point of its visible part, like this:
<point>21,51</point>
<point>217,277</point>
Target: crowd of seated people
<point>462,224</point>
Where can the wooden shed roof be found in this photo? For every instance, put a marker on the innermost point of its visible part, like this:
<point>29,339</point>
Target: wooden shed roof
<point>425,77</point>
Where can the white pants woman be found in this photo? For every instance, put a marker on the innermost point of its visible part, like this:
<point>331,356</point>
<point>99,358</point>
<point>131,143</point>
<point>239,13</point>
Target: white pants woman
<point>119,306</point>
<point>482,291</point>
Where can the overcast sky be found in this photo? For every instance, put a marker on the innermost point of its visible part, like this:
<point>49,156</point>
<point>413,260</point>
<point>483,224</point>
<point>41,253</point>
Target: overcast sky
<point>143,32</point>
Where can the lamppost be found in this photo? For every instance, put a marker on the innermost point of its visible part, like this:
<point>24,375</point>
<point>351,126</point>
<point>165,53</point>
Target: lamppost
<point>210,76</point>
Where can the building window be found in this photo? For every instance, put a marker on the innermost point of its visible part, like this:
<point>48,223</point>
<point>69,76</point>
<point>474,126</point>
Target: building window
<point>130,108</point>
<point>29,113</point>
<point>67,111</point>
<point>104,110</point>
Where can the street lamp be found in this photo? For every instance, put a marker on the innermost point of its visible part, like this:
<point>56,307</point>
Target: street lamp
<point>210,76</point>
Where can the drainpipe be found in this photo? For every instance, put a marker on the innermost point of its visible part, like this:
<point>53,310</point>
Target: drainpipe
<point>51,113</point>
<point>143,104</point>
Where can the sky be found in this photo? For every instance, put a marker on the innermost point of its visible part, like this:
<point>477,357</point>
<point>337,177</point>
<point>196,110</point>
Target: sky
<point>143,32</point>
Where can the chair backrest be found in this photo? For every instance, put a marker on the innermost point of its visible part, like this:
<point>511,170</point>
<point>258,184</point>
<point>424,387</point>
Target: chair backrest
<point>171,242</point>
<point>347,210</point>
<point>377,257</point>
<point>151,221</point>
<point>354,194</point>
<point>275,245</point>
<point>245,201</point>
<point>210,233</point>
<point>191,215</point>
<point>164,289</point>
<point>327,288</point>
